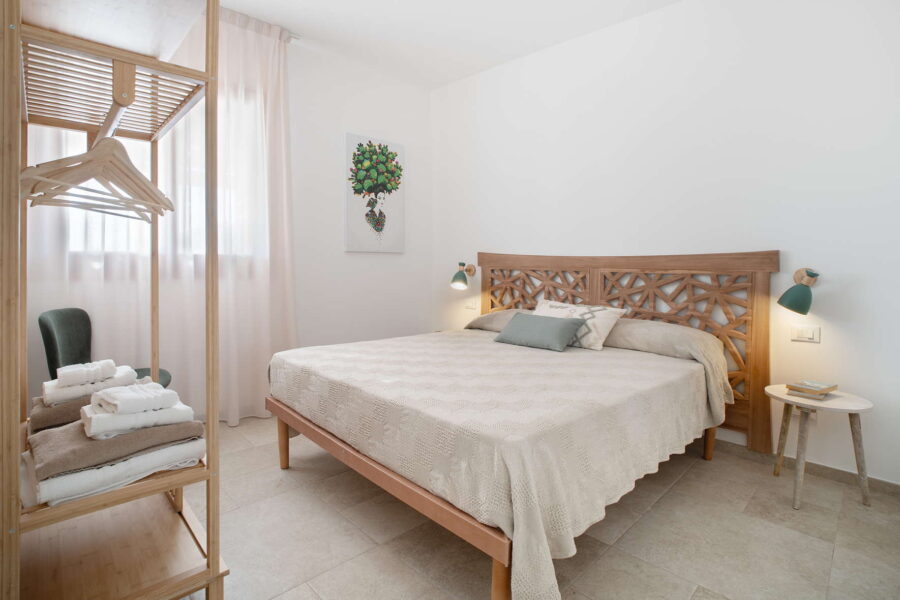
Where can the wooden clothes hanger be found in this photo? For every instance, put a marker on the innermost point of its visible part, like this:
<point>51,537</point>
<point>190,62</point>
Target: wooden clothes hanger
<point>103,180</point>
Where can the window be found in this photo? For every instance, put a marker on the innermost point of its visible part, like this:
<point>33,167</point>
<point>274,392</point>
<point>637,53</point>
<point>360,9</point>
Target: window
<point>243,186</point>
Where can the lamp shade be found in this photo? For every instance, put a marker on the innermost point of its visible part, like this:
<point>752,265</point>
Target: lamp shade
<point>459,280</point>
<point>798,297</point>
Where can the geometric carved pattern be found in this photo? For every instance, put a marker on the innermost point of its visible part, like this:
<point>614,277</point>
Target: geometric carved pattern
<point>512,288</point>
<point>718,303</point>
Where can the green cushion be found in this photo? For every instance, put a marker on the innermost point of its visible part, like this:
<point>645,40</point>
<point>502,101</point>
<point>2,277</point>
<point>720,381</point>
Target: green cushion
<point>165,378</point>
<point>534,331</point>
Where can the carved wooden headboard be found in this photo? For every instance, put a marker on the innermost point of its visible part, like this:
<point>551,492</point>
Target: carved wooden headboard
<point>724,294</point>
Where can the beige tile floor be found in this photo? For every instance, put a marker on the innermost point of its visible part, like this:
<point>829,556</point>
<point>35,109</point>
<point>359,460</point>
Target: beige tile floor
<point>695,530</point>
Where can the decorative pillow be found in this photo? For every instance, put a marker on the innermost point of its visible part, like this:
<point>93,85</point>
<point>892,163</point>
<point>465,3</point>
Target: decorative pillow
<point>495,321</point>
<point>598,320</point>
<point>549,333</point>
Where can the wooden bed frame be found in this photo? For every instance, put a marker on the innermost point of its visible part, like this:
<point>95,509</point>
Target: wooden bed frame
<point>724,294</point>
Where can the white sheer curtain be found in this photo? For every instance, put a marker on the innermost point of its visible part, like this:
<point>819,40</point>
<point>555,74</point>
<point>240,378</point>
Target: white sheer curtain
<point>254,245</point>
<point>108,273</point>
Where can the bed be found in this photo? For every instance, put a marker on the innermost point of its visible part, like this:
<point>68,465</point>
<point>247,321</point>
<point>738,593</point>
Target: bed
<point>519,450</point>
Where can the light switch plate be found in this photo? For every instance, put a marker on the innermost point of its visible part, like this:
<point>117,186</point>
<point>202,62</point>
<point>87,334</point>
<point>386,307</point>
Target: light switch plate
<point>470,304</point>
<point>806,333</point>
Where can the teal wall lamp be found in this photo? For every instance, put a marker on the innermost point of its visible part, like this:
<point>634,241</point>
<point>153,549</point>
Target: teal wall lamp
<point>798,297</point>
<point>459,280</point>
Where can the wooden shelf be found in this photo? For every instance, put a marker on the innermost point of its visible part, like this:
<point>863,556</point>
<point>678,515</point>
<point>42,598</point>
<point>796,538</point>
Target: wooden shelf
<point>139,550</point>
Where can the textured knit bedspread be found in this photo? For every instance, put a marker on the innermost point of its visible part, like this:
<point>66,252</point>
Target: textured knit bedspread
<point>534,442</point>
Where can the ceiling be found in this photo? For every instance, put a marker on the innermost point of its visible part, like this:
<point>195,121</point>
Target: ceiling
<point>428,42</point>
<point>433,42</point>
<point>154,27</point>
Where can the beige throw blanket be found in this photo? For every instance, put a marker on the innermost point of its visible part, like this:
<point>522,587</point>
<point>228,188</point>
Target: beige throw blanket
<point>678,341</point>
<point>536,443</point>
<point>66,449</point>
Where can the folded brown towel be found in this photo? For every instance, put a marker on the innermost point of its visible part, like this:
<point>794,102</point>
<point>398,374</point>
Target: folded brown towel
<point>67,448</point>
<point>44,417</point>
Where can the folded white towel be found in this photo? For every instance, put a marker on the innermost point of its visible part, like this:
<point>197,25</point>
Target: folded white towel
<point>56,394</point>
<point>72,486</point>
<point>91,372</point>
<point>135,398</point>
<point>101,424</point>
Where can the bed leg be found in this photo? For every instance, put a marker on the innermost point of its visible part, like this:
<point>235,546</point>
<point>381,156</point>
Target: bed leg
<point>501,588</point>
<point>283,447</point>
<point>709,443</point>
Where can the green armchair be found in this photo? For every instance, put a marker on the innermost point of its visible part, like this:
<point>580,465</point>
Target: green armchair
<point>67,341</point>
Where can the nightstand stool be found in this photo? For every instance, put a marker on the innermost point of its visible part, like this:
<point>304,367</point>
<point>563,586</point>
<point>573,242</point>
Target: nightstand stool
<point>840,402</point>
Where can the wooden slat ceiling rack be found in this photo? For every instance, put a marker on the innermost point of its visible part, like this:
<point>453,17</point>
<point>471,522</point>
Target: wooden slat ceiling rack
<point>142,540</point>
<point>91,87</point>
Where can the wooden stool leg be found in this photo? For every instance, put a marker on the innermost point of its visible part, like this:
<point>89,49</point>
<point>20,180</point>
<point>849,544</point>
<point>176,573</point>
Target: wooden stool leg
<point>216,589</point>
<point>782,437</point>
<point>862,477</point>
<point>176,497</point>
<point>709,443</point>
<point>800,467</point>
<point>501,588</point>
<point>284,455</point>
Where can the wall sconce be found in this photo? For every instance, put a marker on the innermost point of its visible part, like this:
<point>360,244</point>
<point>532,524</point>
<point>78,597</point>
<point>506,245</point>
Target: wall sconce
<point>798,297</point>
<point>459,280</point>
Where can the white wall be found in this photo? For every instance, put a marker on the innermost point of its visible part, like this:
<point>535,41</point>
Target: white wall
<point>707,126</point>
<point>345,296</point>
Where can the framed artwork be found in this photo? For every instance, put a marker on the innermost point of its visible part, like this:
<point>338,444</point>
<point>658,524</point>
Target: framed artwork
<point>375,213</point>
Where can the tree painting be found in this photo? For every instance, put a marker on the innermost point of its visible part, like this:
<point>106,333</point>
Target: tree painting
<point>375,174</point>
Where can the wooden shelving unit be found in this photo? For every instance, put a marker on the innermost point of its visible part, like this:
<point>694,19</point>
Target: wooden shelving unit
<point>142,540</point>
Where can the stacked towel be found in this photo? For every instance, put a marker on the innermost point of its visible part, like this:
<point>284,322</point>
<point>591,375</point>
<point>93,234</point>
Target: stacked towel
<point>122,409</point>
<point>67,449</point>
<point>85,373</point>
<point>44,417</point>
<point>127,430</point>
<point>130,399</point>
<point>118,410</point>
<point>101,424</point>
<point>79,484</point>
<point>56,393</point>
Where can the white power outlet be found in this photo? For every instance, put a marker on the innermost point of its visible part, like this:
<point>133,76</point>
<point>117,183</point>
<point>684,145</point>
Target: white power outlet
<point>470,304</point>
<point>806,333</point>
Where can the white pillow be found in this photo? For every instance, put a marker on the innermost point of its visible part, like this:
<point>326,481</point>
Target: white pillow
<point>599,320</point>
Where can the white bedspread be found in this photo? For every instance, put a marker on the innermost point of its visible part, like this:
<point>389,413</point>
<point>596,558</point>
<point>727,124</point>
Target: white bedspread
<point>534,442</point>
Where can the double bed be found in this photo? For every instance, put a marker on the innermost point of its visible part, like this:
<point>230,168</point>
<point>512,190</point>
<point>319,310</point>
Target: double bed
<point>519,450</point>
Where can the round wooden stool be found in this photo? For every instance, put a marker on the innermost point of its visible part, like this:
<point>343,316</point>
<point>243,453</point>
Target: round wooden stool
<point>840,402</point>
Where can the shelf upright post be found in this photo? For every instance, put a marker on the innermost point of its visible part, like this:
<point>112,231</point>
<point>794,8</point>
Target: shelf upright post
<point>215,590</point>
<point>10,284</point>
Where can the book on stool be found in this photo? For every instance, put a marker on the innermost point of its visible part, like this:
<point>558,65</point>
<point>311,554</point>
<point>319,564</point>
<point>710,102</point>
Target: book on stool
<point>811,390</point>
